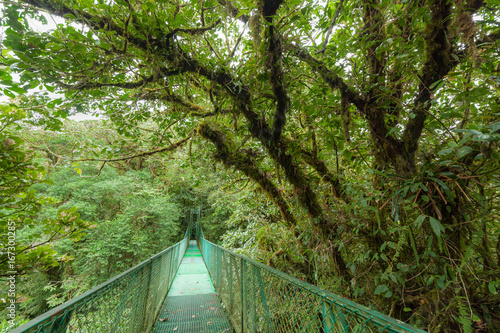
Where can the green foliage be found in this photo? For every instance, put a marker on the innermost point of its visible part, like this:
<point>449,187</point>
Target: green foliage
<point>131,220</point>
<point>20,205</point>
<point>27,239</point>
<point>17,170</point>
<point>374,144</point>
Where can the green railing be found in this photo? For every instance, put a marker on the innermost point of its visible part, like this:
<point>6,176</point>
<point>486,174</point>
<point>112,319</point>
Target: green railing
<point>129,302</point>
<point>259,298</point>
<point>256,297</point>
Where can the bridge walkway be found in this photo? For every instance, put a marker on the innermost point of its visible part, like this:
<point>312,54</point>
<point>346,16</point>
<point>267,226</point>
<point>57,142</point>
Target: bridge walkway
<point>192,304</point>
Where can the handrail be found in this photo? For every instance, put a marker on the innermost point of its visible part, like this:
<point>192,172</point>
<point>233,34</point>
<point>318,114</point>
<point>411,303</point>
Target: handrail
<point>268,300</point>
<point>134,296</point>
<point>258,298</point>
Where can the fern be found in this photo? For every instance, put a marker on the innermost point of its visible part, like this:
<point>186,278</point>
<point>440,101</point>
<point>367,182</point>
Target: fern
<point>464,318</point>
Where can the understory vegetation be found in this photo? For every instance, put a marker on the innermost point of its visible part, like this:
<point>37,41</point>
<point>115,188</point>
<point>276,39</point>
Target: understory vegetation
<point>124,214</point>
<point>351,144</point>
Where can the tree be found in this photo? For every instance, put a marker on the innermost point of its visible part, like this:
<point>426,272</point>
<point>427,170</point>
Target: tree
<point>370,125</point>
<point>129,215</point>
<point>26,240</point>
<point>20,205</point>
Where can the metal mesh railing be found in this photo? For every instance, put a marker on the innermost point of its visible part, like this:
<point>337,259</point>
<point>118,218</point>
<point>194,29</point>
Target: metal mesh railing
<point>259,298</point>
<point>130,302</point>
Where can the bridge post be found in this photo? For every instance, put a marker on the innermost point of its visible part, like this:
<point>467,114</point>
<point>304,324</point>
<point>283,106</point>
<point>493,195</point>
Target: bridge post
<point>333,322</point>
<point>142,314</point>
<point>231,296</point>
<point>263,296</point>
<point>218,261</point>
<point>242,295</point>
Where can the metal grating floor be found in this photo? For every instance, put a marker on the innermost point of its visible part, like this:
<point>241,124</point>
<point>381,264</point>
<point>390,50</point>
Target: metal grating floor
<point>192,304</point>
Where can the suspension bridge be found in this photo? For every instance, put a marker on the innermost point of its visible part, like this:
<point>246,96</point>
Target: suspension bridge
<point>197,286</point>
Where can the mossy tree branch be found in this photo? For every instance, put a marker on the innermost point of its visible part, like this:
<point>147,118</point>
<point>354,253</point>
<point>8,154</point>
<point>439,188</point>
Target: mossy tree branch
<point>147,153</point>
<point>326,175</point>
<point>389,149</point>
<point>242,162</point>
<point>274,64</point>
<point>334,81</point>
<point>258,127</point>
<point>161,74</point>
<point>438,63</point>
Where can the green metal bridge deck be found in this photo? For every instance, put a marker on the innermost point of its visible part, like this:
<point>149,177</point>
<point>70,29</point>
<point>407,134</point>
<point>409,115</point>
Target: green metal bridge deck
<point>192,304</point>
<point>197,286</point>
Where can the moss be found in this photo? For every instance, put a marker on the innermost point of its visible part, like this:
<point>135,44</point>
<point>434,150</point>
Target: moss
<point>467,28</point>
<point>244,163</point>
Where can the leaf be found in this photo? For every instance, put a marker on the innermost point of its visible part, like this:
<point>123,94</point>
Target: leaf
<point>492,288</point>
<point>463,151</point>
<point>445,188</point>
<point>437,227</point>
<point>435,84</point>
<point>494,127</point>
<point>7,92</point>
<point>241,13</point>
<point>164,319</point>
<point>440,282</point>
<point>381,289</point>
<point>430,280</point>
<point>396,200</point>
<point>17,90</point>
<point>54,102</point>
<point>420,220</point>
<point>445,151</point>
<point>79,108</point>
